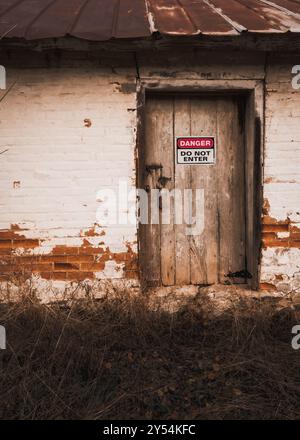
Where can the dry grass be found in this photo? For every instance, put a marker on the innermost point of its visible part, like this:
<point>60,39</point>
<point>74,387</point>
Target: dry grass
<point>117,359</point>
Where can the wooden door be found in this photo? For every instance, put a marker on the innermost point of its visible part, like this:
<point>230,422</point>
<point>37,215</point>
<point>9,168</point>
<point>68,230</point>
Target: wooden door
<point>169,256</point>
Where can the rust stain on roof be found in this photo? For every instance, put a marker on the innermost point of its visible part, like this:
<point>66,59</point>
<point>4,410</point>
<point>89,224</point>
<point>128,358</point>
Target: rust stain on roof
<point>103,20</point>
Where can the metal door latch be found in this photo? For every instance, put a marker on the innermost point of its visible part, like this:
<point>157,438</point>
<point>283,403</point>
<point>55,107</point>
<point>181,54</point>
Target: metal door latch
<point>162,180</point>
<point>153,167</point>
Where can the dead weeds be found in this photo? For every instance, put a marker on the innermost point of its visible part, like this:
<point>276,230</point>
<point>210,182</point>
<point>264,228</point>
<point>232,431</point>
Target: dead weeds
<point>116,358</point>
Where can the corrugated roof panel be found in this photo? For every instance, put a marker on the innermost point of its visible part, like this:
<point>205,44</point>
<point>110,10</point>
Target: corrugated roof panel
<point>5,5</point>
<point>102,20</point>
<point>14,21</point>
<point>170,18</point>
<point>56,20</point>
<point>290,5</point>
<point>241,14</point>
<point>276,18</point>
<point>206,19</point>
<point>97,20</point>
<point>132,20</point>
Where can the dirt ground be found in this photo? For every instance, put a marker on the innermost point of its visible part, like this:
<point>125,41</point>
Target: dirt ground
<point>219,354</point>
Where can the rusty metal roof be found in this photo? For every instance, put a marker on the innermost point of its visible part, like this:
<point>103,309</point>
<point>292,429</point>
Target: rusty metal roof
<point>102,20</point>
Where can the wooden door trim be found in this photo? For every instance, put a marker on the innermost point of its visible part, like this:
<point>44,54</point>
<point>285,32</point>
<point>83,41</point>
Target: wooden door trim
<point>253,90</point>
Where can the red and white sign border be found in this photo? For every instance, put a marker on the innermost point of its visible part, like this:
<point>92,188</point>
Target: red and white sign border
<point>193,137</point>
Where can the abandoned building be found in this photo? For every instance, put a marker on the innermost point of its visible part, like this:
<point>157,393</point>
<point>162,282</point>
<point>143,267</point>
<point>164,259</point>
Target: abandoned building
<point>106,96</point>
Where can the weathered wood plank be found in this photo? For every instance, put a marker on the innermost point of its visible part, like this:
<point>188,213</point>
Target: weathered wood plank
<point>231,188</point>
<point>182,127</point>
<point>152,274</point>
<point>166,182</point>
<point>204,247</point>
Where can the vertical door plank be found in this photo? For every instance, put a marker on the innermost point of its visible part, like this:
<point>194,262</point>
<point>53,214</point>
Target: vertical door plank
<point>166,152</point>
<point>152,275</point>
<point>182,127</point>
<point>238,258</point>
<point>204,247</point>
<point>231,188</point>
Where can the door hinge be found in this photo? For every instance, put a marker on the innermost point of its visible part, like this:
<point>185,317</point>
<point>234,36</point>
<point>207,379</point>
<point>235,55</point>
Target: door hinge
<point>240,274</point>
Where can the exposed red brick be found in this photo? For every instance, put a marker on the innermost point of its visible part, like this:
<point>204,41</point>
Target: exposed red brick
<point>271,227</point>
<point>11,238</point>
<point>64,262</point>
<point>275,227</point>
<point>295,233</point>
<point>89,250</point>
<point>55,276</point>
<point>5,244</point>
<point>92,233</point>
<point>276,242</point>
<point>267,220</point>
<point>65,250</point>
<point>33,267</point>
<point>64,267</point>
<point>25,243</point>
<point>93,266</point>
<point>6,234</point>
<point>4,252</point>
<point>269,235</point>
<point>295,244</point>
<point>54,258</point>
<point>267,287</point>
<point>80,258</point>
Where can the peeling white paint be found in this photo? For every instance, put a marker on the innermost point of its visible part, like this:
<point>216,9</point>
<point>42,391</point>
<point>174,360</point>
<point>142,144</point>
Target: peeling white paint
<point>281,263</point>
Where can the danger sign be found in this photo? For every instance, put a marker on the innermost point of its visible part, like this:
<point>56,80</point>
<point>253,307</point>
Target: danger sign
<point>196,150</point>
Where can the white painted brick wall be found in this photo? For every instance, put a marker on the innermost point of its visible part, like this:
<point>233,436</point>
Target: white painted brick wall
<point>60,164</point>
<point>281,265</point>
<point>55,165</point>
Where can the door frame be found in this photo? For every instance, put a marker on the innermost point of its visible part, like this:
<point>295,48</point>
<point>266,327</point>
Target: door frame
<point>253,92</point>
